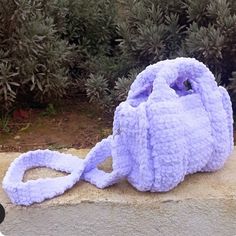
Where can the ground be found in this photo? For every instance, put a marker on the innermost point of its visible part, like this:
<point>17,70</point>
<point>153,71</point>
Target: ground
<point>74,124</point>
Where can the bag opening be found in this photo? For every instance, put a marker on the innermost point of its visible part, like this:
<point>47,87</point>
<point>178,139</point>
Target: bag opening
<point>182,88</point>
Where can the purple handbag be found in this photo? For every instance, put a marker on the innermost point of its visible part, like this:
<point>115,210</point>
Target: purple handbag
<point>161,133</point>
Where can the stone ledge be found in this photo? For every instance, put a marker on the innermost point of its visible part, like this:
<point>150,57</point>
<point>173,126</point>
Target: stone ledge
<point>204,204</point>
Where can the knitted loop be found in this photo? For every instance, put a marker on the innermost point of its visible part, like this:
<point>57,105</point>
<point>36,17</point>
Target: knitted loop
<point>165,80</point>
<point>169,83</point>
<point>27,193</point>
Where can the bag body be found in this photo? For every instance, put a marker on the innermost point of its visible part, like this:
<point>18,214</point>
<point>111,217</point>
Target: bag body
<point>161,133</point>
<point>170,131</point>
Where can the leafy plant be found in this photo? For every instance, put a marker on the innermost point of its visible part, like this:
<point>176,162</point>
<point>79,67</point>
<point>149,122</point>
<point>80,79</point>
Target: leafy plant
<point>50,110</point>
<point>91,28</point>
<point>4,122</point>
<point>214,42</point>
<point>122,85</point>
<point>150,30</point>
<point>49,49</point>
<point>33,58</point>
<point>232,89</point>
<point>153,30</point>
<point>96,87</point>
<point>8,86</point>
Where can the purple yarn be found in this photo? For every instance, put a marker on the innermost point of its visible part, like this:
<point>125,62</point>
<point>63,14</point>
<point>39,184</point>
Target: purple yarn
<point>161,133</point>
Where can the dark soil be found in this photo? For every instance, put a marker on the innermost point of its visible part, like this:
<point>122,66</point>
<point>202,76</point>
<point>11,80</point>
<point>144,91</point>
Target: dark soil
<point>77,125</point>
<point>71,125</point>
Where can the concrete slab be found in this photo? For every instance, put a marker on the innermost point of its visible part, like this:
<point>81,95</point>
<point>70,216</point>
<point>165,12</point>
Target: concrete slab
<point>204,204</point>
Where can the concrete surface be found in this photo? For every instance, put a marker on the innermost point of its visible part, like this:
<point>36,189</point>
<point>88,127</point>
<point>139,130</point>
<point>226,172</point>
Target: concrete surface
<point>204,204</point>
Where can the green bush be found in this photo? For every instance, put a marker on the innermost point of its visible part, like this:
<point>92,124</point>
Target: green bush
<point>211,37</point>
<point>33,58</point>
<point>108,97</point>
<point>91,29</point>
<point>52,48</point>
<point>154,30</point>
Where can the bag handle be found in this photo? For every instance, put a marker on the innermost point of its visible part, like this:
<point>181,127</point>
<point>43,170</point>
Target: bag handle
<point>176,73</point>
<point>32,191</point>
<point>156,81</point>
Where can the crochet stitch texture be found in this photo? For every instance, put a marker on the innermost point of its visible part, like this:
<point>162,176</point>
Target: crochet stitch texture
<point>161,133</point>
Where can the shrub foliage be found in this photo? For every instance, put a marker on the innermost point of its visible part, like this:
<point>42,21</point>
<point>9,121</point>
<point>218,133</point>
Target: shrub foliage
<point>96,47</point>
<point>32,55</point>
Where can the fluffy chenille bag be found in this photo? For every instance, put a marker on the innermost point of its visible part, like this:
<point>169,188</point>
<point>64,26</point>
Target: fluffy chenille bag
<point>161,133</point>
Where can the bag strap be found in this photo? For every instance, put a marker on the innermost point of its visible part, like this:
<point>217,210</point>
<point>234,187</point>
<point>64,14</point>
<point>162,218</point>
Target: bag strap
<point>32,191</point>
